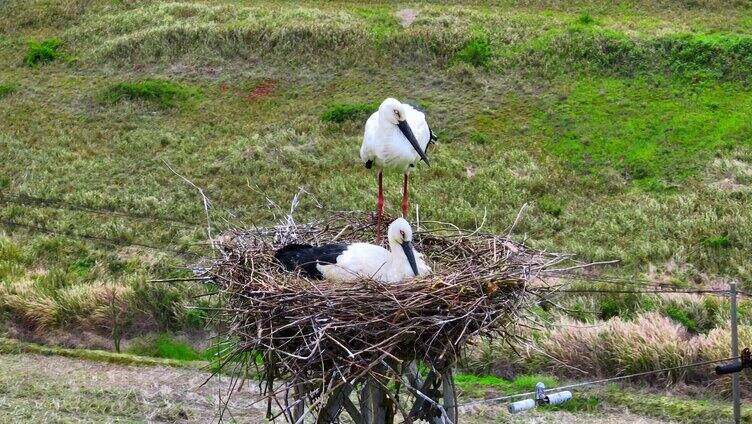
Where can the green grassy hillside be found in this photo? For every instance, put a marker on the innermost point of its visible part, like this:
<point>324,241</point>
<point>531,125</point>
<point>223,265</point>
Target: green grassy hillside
<point>626,126</point>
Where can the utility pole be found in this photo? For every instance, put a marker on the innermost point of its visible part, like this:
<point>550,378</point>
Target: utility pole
<point>735,354</point>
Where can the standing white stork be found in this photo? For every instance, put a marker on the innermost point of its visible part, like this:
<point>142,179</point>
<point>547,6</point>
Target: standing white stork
<point>348,262</point>
<point>396,138</point>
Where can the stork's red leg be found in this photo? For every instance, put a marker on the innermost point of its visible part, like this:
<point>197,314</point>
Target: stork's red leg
<point>405,205</point>
<point>380,210</point>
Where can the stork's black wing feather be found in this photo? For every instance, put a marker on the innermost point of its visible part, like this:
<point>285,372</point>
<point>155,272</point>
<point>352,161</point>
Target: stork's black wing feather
<point>305,257</point>
<point>433,136</point>
<point>417,108</point>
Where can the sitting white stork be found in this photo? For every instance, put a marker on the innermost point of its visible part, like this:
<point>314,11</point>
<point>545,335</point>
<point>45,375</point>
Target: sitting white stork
<point>343,262</point>
<point>396,138</point>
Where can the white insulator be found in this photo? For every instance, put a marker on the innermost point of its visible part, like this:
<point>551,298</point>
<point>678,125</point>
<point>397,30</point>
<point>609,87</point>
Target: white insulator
<point>559,397</point>
<point>520,406</point>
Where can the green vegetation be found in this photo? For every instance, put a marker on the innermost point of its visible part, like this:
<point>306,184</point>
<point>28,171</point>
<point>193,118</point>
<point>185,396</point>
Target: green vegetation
<point>165,346</point>
<point>380,21</point>
<point>619,305</point>
<point>577,404</point>
<point>9,346</point>
<point>717,242</point>
<point>666,131</point>
<point>585,19</point>
<point>681,317</point>
<point>519,384</point>
<point>165,93</point>
<point>342,112</point>
<point>665,407</point>
<point>550,205</point>
<point>7,89</point>
<point>476,52</point>
<point>40,52</point>
<point>478,137</point>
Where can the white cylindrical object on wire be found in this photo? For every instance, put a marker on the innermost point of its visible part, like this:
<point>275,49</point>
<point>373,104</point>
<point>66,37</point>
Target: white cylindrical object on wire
<point>520,406</point>
<point>559,397</point>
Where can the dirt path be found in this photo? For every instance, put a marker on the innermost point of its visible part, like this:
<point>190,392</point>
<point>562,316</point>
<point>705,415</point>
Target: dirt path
<point>44,389</point>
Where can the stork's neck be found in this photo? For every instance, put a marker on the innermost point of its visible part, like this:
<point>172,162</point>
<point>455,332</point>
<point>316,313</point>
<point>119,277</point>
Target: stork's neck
<point>397,254</point>
<point>386,116</point>
<point>385,119</point>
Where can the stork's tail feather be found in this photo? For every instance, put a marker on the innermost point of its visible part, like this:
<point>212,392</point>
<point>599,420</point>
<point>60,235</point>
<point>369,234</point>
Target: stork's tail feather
<point>433,137</point>
<point>369,164</point>
<point>288,254</point>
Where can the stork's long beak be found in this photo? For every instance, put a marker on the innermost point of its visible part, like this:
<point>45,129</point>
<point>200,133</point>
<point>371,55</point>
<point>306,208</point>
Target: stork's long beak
<point>408,133</point>
<point>407,246</point>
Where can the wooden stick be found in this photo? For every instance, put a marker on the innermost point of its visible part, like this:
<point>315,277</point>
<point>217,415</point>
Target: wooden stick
<point>449,394</point>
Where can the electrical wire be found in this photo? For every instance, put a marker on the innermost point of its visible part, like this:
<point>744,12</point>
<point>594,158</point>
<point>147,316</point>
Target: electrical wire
<point>97,239</point>
<point>598,291</point>
<point>601,381</point>
<point>30,201</point>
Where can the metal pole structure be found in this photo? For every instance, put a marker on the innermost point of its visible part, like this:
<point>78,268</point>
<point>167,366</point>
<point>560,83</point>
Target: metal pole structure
<point>734,353</point>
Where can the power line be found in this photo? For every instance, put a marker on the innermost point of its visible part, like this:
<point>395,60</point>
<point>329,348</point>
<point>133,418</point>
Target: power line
<point>699,291</point>
<point>97,239</point>
<point>601,381</point>
<point>633,281</point>
<point>25,200</point>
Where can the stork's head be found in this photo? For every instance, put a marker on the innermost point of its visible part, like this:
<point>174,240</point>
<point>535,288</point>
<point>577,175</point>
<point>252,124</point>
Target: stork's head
<point>393,112</point>
<point>401,234</point>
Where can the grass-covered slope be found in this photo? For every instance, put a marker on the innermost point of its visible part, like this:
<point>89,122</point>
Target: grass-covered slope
<point>626,127</point>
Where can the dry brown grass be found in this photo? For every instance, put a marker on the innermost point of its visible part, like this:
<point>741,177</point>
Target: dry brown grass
<point>650,342</point>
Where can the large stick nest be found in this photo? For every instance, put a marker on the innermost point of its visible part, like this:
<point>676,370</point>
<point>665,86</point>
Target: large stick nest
<point>319,332</point>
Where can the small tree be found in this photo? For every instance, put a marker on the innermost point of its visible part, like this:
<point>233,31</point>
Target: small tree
<point>113,314</point>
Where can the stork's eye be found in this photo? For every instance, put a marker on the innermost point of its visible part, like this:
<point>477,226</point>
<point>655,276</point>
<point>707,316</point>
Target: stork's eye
<point>402,233</point>
<point>396,113</point>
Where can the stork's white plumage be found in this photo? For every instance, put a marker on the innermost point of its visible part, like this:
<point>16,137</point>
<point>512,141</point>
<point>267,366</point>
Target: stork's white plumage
<point>343,262</point>
<point>396,137</point>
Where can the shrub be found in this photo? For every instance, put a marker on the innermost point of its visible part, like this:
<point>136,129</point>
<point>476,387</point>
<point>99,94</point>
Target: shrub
<point>678,315</point>
<point>717,241</point>
<point>550,206</point>
<point>43,52</point>
<point>7,89</point>
<point>697,313</point>
<point>478,137</point>
<point>585,19</point>
<point>82,266</point>
<point>341,112</point>
<point>165,93</point>
<point>196,318</point>
<point>165,346</point>
<point>476,52</point>
<point>162,304</point>
<point>620,306</point>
